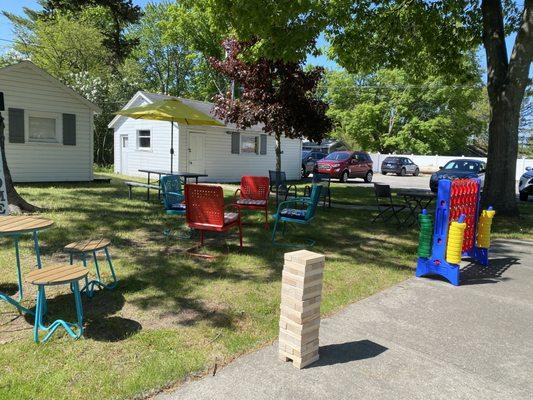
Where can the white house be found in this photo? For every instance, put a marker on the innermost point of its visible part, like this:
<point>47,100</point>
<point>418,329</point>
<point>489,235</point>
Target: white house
<point>224,153</point>
<point>49,127</point>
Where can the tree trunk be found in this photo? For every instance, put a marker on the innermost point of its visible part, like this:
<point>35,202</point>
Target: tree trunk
<point>506,83</point>
<point>278,151</point>
<point>13,197</point>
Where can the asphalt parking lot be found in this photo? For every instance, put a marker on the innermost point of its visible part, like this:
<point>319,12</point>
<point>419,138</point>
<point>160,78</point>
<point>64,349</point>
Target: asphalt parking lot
<point>394,181</point>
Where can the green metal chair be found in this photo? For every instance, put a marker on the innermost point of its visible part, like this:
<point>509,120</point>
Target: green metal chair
<point>302,212</point>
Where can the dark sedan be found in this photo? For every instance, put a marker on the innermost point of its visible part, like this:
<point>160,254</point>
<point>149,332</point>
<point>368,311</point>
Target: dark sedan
<point>460,168</point>
<point>525,186</point>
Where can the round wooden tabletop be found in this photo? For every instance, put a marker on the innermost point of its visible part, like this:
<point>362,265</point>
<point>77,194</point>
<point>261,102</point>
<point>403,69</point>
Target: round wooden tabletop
<point>57,274</point>
<point>11,224</point>
<point>87,245</point>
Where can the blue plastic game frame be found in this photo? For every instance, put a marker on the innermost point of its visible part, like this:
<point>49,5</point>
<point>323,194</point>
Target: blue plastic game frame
<point>437,264</point>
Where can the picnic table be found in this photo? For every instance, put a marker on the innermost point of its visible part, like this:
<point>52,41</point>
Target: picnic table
<point>15,226</point>
<point>416,200</point>
<point>159,173</point>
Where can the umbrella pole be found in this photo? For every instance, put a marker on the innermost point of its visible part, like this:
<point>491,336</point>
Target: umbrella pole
<point>171,146</point>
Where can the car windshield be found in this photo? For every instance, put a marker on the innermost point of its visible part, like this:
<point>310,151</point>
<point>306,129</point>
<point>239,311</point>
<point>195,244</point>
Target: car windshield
<point>338,156</point>
<point>392,160</point>
<point>463,165</point>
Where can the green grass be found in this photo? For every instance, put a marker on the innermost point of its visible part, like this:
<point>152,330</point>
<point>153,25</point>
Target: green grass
<point>174,315</point>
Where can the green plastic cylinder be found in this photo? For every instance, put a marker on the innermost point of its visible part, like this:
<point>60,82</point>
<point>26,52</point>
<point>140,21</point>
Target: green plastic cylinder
<point>425,235</point>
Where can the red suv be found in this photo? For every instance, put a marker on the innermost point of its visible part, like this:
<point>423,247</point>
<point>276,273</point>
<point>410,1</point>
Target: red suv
<point>346,164</point>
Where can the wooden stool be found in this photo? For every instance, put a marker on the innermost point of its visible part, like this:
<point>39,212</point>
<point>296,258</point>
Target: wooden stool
<point>59,274</point>
<point>83,249</point>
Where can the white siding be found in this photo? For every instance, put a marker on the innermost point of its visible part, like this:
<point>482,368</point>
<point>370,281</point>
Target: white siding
<point>37,162</point>
<point>223,166</point>
<point>158,157</point>
<point>220,164</point>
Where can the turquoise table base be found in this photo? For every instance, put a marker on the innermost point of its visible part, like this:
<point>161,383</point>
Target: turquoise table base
<point>90,286</point>
<point>73,330</point>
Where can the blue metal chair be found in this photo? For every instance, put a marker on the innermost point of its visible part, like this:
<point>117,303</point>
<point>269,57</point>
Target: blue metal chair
<point>297,214</point>
<point>173,197</point>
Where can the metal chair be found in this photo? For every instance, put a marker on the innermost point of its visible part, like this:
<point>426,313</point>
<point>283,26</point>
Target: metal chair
<point>253,194</point>
<point>206,211</point>
<point>278,185</point>
<point>297,215</point>
<point>173,198</point>
<point>325,194</point>
<point>386,205</point>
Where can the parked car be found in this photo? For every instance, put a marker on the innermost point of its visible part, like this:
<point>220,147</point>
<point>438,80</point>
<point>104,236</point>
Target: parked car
<point>525,186</point>
<point>309,159</point>
<point>399,166</point>
<point>347,164</point>
<point>460,168</point>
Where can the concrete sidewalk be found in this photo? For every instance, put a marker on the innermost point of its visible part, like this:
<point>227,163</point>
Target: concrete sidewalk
<point>422,339</point>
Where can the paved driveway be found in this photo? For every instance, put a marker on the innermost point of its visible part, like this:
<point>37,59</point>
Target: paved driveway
<point>422,339</point>
<point>395,182</point>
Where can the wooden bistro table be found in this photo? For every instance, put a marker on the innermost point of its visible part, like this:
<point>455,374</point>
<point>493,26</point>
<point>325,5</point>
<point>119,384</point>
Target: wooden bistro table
<point>15,226</point>
<point>159,173</point>
<point>416,200</point>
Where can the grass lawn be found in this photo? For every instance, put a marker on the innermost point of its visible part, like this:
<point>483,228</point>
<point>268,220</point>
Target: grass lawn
<point>174,315</point>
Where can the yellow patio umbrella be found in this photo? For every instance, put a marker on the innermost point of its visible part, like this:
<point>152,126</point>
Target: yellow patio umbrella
<point>173,110</point>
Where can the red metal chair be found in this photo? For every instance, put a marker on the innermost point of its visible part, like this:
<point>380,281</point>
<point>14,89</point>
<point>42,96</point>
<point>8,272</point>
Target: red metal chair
<point>206,210</point>
<point>254,193</point>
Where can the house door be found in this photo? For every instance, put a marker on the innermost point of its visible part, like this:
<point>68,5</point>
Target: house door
<point>124,154</point>
<point>196,152</point>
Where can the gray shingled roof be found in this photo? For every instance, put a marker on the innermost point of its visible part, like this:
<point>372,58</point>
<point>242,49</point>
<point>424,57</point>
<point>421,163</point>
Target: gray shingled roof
<point>202,106</point>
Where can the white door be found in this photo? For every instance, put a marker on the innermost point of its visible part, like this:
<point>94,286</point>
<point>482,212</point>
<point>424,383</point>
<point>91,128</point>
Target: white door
<point>124,154</point>
<point>197,152</point>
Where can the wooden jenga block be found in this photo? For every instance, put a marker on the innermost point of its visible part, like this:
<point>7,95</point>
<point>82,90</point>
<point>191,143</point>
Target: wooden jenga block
<point>299,329</point>
<point>301,295</point>
<point>304,257</point>
<point>303,270</point>
<point>300,281</point>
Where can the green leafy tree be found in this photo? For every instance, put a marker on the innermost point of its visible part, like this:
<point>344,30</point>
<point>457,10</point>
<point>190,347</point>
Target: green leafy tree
<point>166,59</point>
<point>113,18</point>
<point>414,35</point>
<point>390,112</point>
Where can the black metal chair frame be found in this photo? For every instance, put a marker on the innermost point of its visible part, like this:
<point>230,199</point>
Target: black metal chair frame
<point>325,194</point>
<point>384,192</point>
<point>278,185</point>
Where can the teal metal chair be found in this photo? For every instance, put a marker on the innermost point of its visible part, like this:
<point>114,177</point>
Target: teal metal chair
<point>173,197</point>
<point>173,201</point>
<point>297,211</point>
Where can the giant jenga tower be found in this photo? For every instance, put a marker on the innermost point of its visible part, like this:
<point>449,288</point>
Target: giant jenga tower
<point>301,291</point>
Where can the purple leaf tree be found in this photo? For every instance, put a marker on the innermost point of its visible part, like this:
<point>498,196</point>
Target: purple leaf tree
<point>279,95</point>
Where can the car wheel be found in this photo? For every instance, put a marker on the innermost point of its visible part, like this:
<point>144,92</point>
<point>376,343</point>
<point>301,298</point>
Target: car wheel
<point>368,177</point>
<point>345,176</point>
<point>402,172</point>
<point>383,173</point>
<point>304,173</point>
<point>523,196</point>
<point>417,172</point>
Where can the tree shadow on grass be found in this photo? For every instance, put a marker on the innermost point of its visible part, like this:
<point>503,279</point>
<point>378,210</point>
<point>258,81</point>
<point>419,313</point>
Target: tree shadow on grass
<point>9,289</point>
<point>111,329</point>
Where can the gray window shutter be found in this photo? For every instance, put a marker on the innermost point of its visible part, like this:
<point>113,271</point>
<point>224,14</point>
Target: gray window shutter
<point>263,144</point>
<point>69,129</point>
<point>235,143</point>
<point>16,125</point>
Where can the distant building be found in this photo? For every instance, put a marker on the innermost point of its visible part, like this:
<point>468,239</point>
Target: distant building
<point>224,153</point>
<point>49,127</point>
<point>325,146</point>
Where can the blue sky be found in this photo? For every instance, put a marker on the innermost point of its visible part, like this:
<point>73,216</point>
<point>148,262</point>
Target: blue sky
<point>16,6</point>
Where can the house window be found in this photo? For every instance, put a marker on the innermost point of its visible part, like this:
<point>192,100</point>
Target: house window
<point>42,129</point>
<point>249,144</point>
<point>144,140</point>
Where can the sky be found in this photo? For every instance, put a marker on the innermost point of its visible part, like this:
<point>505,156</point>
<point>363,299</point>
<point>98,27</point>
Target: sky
<point>16,6</point>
